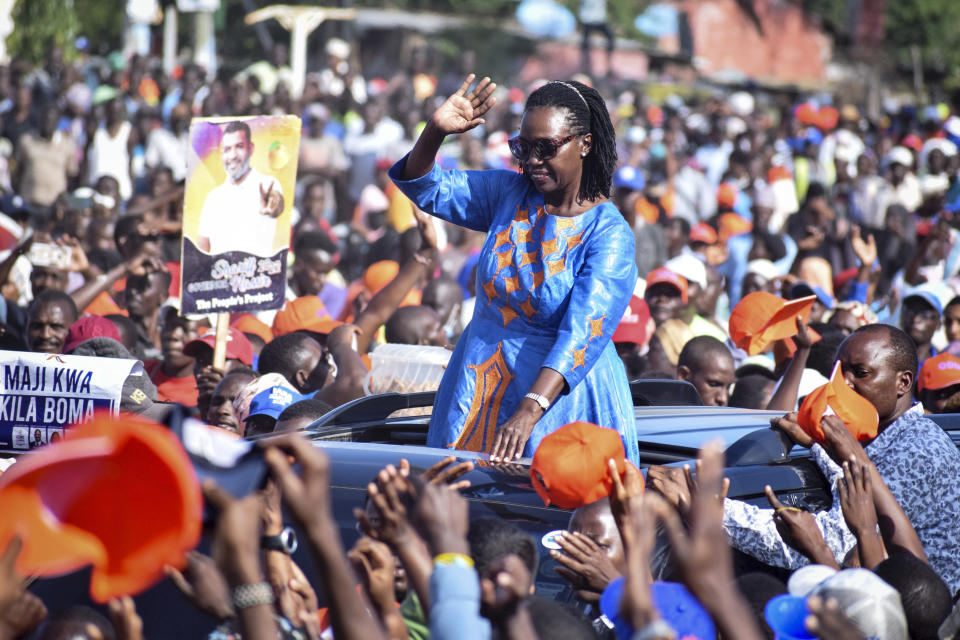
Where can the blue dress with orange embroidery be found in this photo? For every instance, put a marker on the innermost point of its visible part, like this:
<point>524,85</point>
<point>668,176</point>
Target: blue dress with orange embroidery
<point>550,293</point>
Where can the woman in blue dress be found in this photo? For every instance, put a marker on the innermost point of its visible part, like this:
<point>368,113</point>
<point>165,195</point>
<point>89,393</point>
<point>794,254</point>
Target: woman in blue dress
<point>554,277</point>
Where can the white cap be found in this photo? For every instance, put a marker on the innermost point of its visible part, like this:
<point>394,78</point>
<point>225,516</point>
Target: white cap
<point>689,267</point>
<point>806,579</point>
<point>741,103</point>
<point>871,604</point>
<point>763,268</point>
<point>899,155</point>
<point>338,48</point>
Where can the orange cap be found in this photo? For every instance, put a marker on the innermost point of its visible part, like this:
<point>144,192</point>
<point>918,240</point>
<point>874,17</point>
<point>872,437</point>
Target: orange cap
<point>727,195</point>
<point>731,224</point>
<point>761,318</point>
<point>939,372</point>
<point>827,118</point>
<point>304,313</point>
<point>117,493</point>
<point>248,323</point>
<point>379,274</point>
<point>569,467</point>
<point>665,275</point>
<point>837,398</point>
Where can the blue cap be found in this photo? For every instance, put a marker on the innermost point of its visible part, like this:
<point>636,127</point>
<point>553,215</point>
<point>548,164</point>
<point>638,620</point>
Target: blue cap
<point>926,296</point>
<point>785,615</point>
<point>271,402</point>
<point>630,178</point>
<point>673,602</point>
<point>812,135</point>
<point>802,290</point>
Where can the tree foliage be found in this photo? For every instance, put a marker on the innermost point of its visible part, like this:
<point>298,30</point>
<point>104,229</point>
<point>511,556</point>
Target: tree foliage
<point>40,25</point>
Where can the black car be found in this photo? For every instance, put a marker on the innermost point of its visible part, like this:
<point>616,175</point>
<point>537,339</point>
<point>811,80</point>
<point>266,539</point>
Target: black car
<point>362,437</point>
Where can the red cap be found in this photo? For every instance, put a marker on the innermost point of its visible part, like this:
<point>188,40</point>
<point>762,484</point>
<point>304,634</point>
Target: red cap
<point>761,318</point>
<point>827,118</point>
<point>939,372</point>
<point>837,398</point>
<point>665,275</point>
<point>912,141</point>
<point>89,327</point>
<point>702,232</point>
<point>806,114</point>
<point>238,347</point>
<point>635,324</point>
<point>306,313</point>
<point>569,468</point>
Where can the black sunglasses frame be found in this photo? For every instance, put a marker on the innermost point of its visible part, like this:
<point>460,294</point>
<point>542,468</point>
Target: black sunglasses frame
<point>545,148</point>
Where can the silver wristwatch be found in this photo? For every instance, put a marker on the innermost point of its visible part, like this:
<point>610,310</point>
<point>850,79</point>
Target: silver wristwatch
<point>539,399</point>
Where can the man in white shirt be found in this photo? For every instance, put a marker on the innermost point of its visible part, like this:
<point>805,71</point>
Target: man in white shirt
<point>241,214</point>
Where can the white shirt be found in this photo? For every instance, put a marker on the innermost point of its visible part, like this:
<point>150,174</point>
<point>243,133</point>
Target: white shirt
<point>165,149</point>
<point>231,216</point>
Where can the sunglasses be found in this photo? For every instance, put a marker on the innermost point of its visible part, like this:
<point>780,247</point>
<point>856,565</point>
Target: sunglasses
<point>545,148</point>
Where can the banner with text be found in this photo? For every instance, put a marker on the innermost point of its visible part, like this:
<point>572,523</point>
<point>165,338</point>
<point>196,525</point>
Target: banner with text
<point>236,213</point>
<point>41,394</point>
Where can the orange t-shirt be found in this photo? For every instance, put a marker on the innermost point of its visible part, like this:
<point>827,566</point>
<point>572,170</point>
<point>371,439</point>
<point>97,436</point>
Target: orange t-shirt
<point>180,390</point>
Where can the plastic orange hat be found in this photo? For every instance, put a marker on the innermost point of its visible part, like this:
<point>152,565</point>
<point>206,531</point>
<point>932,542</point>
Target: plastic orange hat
<point>569,467</point>
<point>117,493</point>
<point>730,224</point>
<point>304,313</point>
<point>761,318</point>
<point>939,372</point>
<point>836,398</point>
<point>827,118</point>
<point>248,323</point>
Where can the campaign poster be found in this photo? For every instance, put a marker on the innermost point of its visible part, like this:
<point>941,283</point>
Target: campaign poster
<point>241,174</point>
<point>41,394</point>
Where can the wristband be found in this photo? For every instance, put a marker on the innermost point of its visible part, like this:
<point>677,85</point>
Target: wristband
<point>454,560</point>
<point>252,595</point>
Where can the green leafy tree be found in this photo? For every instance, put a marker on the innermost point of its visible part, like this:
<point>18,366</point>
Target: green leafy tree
<point>40,25</point>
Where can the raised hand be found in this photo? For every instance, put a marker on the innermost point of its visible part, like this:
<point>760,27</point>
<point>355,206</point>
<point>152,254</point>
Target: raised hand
<point>202,584</point>
<point>865,250</point>
<point>126,620</point>
<point>464,109</point>
<point>585,565</point>
<point>440,515</point>
<point>428,232</point>
<point>21,616</point>
<point>443,473</point>
<point>308,494</point>
<point>505,590</point>
<point>671,483</point>
<point>271,200</point>
<point>375,565</point>
<point>799,530</point>
<point>826,620</point>
<point>389,496</point>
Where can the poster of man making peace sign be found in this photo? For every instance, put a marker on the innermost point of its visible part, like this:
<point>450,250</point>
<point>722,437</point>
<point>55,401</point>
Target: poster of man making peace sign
<point>241,175</point>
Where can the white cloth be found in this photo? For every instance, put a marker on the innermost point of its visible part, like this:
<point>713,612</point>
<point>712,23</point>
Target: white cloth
<point>231,216</point>
<point>164,149</point>
<point>110,156</point>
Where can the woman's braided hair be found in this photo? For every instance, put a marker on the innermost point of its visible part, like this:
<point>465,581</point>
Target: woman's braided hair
<point>587,113</point>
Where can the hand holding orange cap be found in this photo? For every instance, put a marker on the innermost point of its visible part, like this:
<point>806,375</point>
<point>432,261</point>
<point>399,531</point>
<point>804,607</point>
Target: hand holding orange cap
<point>837,398</point>
<point>118,493</point>
<point>570,467</point>
<point>761,318</point>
